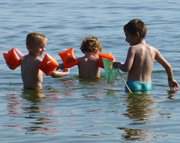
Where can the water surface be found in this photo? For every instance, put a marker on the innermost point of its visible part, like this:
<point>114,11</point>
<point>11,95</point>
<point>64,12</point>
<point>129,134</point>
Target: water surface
<point>86,112</point>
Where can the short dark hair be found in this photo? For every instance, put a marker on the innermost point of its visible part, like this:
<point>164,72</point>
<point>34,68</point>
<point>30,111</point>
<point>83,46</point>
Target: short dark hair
<point>136,27</point>
<point>91,44</point>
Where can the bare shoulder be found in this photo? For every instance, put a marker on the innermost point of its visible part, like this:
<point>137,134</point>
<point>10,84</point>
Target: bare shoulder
<point>25,57</point>
<point>133,49</point>
<point>80,59</point>
<point>29,60</point>
<point>152,48</point>
<point>136,49</point>
<point>154,51</point>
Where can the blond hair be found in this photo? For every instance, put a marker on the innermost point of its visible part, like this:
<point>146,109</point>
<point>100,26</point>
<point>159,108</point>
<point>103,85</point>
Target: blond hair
<point>35,38</point>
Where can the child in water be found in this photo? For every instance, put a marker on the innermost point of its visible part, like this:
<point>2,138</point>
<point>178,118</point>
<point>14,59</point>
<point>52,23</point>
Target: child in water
<point>140,59</point>
<point>32,76</point>
<point>88,64</point>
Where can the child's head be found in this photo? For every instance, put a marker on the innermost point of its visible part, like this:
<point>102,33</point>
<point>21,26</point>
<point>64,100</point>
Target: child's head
<point>35,43</point>
<point>91,45</point>
<point>135,31</point>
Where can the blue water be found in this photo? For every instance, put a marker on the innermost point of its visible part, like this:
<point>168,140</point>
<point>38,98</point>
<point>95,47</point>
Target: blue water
<point>85,112</point>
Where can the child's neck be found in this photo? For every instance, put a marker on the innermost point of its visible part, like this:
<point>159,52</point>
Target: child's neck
<point>91,54</point>
<point>33,55</point>
<point>139,42</point>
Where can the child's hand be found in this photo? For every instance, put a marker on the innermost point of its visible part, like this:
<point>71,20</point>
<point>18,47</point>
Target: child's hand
<point>65,70</point>
<point>174,86</point>
<point>61,66</point>
<point>116,65</point>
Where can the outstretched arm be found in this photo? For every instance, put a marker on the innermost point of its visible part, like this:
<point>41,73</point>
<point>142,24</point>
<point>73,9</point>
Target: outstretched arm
<point>128,63</point>
<point>171,81</point>
<point>61,72</point>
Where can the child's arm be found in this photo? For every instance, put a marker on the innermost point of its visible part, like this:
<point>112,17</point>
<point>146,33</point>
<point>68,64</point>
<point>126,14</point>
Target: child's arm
<point>171,81</point>
<point>56,74</point>
<point>63,71</point>
<point>128,63</point>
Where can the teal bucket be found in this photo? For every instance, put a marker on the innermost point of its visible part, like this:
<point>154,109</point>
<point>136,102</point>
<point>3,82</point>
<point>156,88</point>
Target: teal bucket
<point>110,73</point>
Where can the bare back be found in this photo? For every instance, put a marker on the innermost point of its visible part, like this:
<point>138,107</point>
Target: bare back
<point>31,75</point>
<point>88,68</point>
<point>141,58</point>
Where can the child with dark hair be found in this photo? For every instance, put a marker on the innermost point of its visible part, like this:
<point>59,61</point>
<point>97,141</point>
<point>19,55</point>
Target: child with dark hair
<point>140,59</point>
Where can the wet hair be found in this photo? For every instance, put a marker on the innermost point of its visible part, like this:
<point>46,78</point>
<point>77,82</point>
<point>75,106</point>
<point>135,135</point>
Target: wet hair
<point>34,38</point>
<point>91,44</point>
<point>136,27</point>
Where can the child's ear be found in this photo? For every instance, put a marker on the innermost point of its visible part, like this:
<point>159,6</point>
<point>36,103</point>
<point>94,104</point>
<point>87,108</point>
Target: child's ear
<point>138,35</point>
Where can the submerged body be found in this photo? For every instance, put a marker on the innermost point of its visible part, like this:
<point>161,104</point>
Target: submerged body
<point>88,64</point>
<point>139,65</point>
<point>140,59</point>
<point>31,75</point>
<point>88,67</point>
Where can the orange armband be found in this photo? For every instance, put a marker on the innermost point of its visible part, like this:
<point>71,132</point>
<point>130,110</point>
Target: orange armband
<point>102,56</point>
<point>68,57</point>
<point>13,58</point>
<point>48,64</point>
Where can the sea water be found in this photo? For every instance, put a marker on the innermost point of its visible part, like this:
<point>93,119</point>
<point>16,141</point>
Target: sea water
<point>75,111</point>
